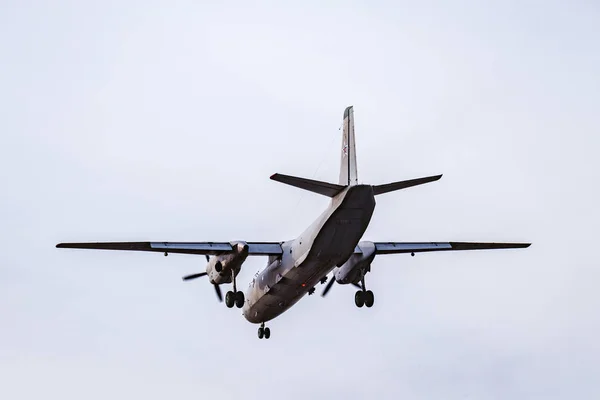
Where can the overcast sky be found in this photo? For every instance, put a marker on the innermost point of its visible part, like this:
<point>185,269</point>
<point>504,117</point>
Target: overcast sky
<point>137,120</point>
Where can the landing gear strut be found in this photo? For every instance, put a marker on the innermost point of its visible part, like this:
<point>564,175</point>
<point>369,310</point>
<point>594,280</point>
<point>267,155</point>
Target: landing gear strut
<point>363,296</point>
<point>234,298</point>
<point>264,332</point>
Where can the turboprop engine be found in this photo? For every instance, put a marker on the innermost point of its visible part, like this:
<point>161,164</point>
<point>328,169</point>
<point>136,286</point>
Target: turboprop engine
<point>224,268</point>
<point>357,265</point>
<point>353,272</point>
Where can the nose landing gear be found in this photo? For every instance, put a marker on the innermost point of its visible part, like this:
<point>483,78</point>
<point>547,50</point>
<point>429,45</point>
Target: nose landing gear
<point>264,332</point>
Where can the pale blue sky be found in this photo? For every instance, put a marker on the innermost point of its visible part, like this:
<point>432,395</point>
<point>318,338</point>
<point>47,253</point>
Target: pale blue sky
<point>163,121</point>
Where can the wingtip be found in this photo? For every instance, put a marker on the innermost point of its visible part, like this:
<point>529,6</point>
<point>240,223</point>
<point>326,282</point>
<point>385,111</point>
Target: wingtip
<point>522,245</point>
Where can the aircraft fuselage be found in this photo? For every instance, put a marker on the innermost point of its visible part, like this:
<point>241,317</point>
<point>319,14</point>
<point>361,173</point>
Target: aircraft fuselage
<point>327,243</point>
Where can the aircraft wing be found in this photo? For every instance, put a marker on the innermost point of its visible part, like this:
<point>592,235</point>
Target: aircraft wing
<point>418,247</point>
<point>203,248</point>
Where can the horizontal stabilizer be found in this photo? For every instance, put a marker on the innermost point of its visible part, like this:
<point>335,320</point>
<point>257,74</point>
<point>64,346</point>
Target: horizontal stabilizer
<point>390,187</point>
<point>324,188</point>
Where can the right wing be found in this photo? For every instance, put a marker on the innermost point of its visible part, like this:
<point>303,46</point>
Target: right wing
<point>418,247</point>
<point>203,248</point>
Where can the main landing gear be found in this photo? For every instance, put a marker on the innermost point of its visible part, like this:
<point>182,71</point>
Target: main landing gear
<point>363,296</point>
<point>234,298</point>
<point>264,332</point>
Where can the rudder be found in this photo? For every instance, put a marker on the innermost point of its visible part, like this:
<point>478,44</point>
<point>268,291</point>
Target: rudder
<point>348,170</point>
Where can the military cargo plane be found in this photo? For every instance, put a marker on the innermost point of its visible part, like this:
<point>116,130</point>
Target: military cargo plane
<point>295,267</point>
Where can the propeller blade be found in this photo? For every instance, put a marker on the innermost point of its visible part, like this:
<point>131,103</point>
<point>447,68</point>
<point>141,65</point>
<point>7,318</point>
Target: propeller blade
<point>329,285</point>
<point>194,276</point>
<point>218,291</point>
<point>207,257</point>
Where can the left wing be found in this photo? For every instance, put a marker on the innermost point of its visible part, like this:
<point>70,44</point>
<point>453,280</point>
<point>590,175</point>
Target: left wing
<point>418,247</point>
<point>204,248</point>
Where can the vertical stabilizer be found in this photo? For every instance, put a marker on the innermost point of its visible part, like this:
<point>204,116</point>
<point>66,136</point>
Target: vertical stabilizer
<point>348,173</point>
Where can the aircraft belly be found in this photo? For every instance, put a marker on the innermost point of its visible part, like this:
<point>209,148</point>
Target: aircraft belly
<point>285,293</point>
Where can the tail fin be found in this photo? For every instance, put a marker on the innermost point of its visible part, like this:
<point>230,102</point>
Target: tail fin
<point>348,173</point>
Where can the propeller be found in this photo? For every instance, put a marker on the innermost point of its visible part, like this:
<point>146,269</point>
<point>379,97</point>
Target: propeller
<point>194,276</point>
<point>329,285</point>
<point>218,291</point>
<point>201,274</point>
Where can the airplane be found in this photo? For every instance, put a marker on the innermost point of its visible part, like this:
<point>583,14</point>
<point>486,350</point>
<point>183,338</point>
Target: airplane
<point>331,244</point>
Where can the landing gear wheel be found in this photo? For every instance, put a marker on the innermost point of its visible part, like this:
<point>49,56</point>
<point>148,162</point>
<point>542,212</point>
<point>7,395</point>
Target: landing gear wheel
<point>239,299</point>
<point>229,299</point>
<point>359,299</point>
<point>369,298</point>
<point>267,333</point>
<point>261,332</point>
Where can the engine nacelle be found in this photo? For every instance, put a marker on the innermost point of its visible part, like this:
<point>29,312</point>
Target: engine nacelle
<point>222,268</point>
<point>357,265</point>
